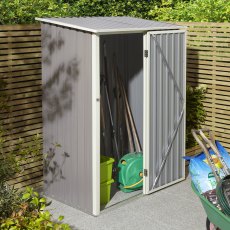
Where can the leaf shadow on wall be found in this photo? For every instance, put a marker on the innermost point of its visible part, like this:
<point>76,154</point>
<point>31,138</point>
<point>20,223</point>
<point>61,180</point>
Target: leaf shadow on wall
<point>59,77</point>
<point>59,74</point>
<point>54,161</point>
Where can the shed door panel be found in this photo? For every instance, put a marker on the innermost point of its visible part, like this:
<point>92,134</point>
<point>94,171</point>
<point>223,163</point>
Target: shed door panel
<point>166,112</point>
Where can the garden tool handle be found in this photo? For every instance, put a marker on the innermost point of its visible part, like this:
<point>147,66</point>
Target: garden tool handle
<point>128,109</point>
<point>108,101</point>
<point>202,144</point>
<point>216,151</point>
<point>209,133</point>
<point>130,138</point>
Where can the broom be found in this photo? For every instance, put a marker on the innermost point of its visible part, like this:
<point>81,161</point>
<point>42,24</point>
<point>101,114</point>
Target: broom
<point>134,142</point>
<point>131,164</point>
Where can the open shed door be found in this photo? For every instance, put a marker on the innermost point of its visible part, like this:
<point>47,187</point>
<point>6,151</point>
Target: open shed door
<point>164,108</point>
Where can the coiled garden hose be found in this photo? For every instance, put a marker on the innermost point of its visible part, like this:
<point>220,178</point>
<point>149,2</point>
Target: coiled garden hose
<point>133,185</point>
<point>222,192</point>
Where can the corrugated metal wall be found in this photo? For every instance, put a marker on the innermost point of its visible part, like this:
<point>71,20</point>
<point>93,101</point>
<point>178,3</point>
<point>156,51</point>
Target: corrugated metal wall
<point>67,115</point>
<point>167,58</point>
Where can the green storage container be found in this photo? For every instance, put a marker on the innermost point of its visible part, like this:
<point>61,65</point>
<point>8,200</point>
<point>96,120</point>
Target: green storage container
<point>106,168</point>
<point>105,192</point>
<point>214,215</point>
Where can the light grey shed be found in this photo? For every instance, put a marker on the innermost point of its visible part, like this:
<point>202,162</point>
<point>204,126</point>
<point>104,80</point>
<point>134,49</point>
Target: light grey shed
<point>151,56</point>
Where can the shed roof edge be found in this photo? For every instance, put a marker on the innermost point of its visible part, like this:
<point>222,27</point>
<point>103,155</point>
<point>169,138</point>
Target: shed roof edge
<point>108,31</point>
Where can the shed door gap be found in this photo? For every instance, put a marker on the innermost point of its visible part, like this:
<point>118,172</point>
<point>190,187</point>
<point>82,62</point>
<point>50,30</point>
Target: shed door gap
<point>121,63</point>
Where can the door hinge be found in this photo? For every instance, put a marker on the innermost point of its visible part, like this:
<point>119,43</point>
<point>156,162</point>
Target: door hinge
<point>146,53</point>
<point>145,172</point>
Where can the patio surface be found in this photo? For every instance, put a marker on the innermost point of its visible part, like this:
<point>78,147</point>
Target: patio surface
<point>173,208</point>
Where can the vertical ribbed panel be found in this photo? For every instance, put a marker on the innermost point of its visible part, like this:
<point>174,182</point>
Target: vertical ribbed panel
<point>67,114</point>
<point>166,62</point>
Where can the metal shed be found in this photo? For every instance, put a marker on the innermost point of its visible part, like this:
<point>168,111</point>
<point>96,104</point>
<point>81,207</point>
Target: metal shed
<point>152,57</point>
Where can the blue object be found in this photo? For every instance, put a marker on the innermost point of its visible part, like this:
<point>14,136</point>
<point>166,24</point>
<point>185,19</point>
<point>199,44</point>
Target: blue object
<point>201,173</point>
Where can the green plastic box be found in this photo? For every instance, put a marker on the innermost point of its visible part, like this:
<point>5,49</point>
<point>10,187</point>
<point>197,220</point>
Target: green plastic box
<point>214,215</point>
<point>106,168</point>
<point>105,192</point>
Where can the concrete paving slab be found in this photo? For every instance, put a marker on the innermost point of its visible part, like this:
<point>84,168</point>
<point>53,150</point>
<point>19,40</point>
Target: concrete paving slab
<point>173,208</point>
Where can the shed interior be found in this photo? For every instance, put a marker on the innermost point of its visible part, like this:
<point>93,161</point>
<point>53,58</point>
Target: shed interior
<point>121,57</point>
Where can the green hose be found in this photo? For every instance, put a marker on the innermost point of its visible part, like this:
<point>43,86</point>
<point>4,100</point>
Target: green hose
<point>223,194</point>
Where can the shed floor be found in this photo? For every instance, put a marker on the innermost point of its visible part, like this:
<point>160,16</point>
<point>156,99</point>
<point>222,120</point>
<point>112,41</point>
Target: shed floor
<point>118,196</point>
<point>173,208</point>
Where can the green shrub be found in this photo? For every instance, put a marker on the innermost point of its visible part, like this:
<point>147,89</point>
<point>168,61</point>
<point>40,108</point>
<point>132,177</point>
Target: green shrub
<point>133,8</point>
<point>195,112</point>
<point>194,11</point>
<point>25,11</point>
<point>31,214</point>
<point>24,210</point>
<point>9,200</point>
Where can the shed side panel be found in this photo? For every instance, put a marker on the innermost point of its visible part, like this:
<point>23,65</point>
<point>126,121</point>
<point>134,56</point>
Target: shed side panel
<point>67,115</point>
